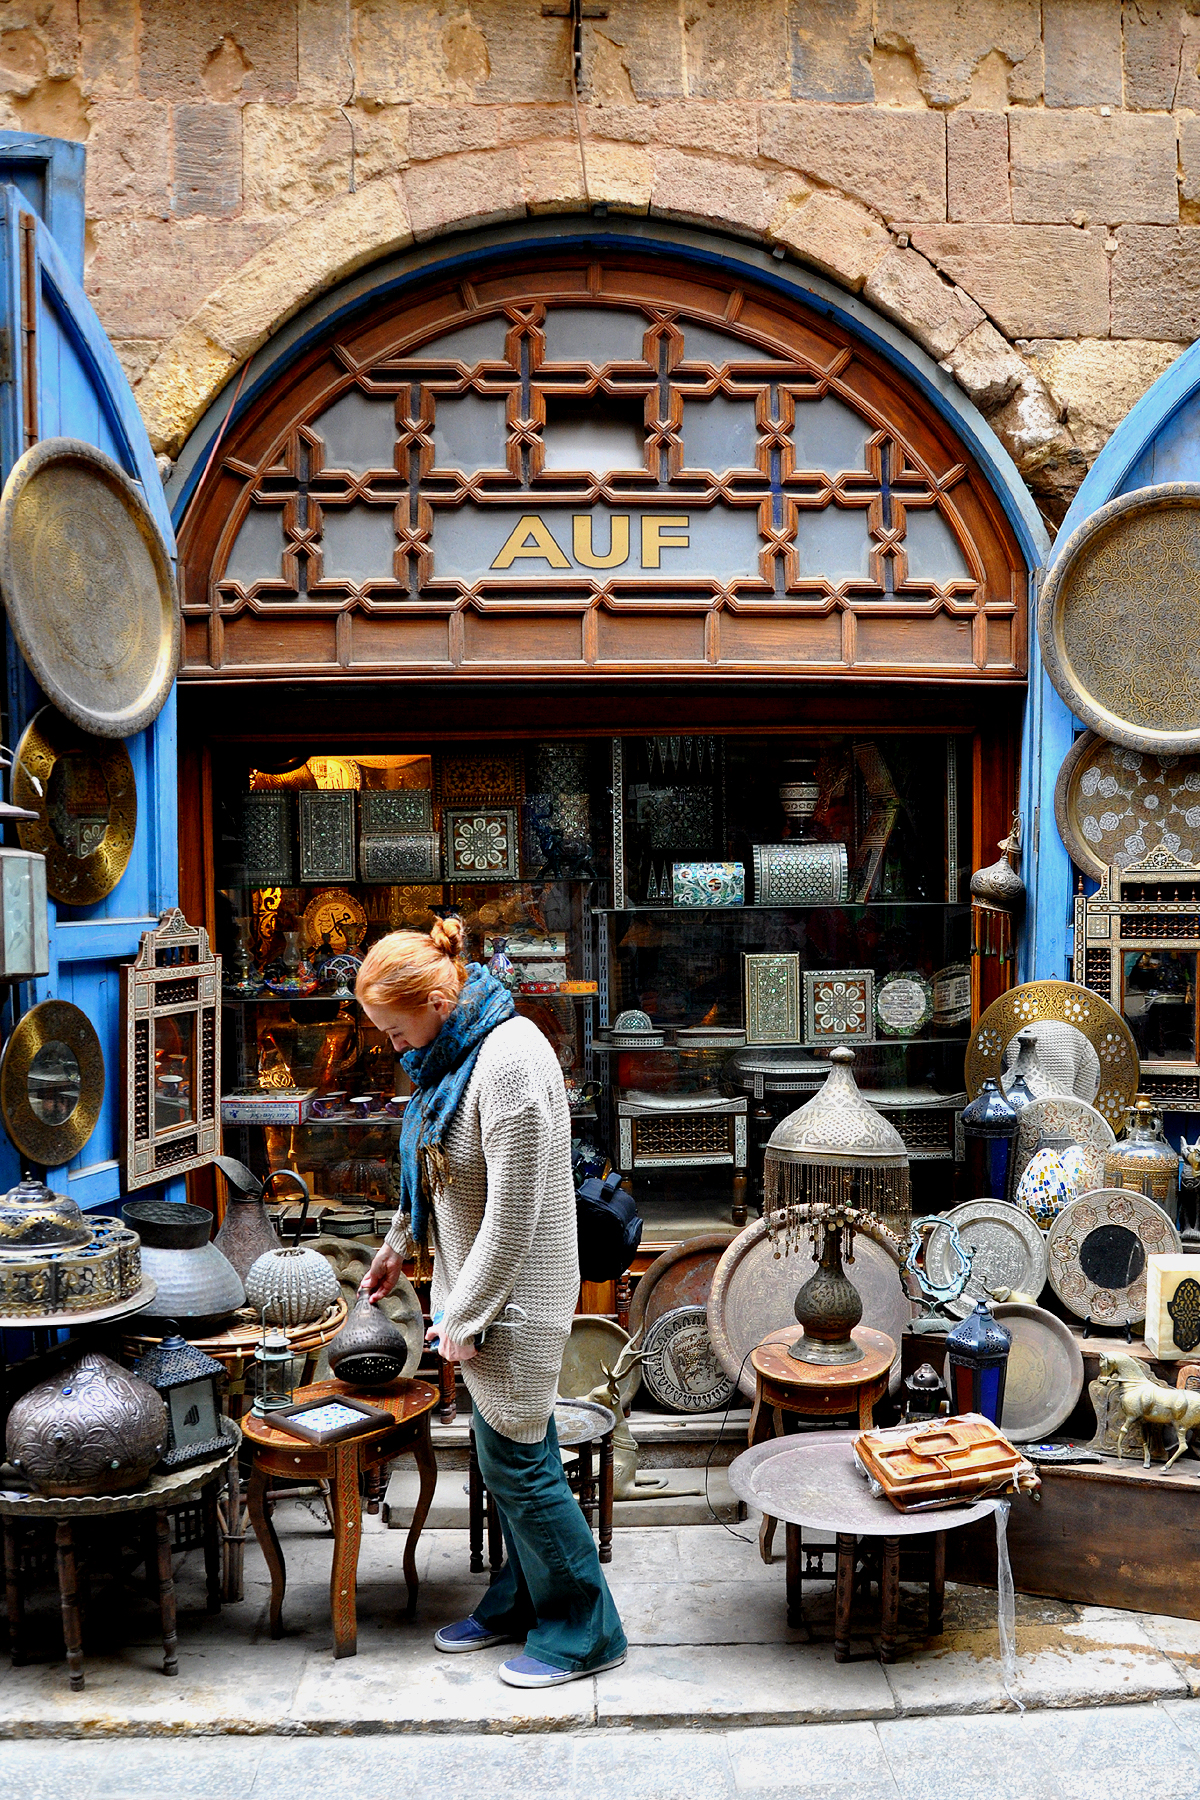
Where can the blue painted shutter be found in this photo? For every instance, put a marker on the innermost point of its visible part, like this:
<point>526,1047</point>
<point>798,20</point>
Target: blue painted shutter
<point>59,377</point>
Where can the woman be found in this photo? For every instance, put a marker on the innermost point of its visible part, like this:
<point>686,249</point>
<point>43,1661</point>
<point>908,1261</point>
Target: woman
<point>485,1162</point>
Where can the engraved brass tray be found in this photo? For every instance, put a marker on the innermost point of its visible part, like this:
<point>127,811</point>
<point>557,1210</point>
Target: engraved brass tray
<point>1113,806</point>
<point>1103,1027</point>
<point>1116,619</point>
<point>88,587</point>
<point>84,793</point>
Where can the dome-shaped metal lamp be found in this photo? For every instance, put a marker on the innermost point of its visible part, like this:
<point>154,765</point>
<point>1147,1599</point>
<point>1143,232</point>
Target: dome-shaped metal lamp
<point>825,1165</point>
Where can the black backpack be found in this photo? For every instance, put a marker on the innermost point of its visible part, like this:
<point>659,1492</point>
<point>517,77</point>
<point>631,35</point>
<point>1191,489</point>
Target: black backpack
<point>609,1227</point>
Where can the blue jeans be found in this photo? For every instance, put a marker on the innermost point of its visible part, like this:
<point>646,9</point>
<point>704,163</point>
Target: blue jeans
<point>551,1590</point>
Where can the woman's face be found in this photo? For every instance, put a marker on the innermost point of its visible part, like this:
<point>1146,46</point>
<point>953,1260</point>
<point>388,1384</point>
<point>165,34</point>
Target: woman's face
<point>410,1028</point>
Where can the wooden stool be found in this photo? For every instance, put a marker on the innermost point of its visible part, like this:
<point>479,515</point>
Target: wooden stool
<point>785,1388</point>
<point>579,1425</point>
<point>277,1454</point>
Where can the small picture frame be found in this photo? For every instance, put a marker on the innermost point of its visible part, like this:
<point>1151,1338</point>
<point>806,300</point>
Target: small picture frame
<point>330,1418</point>
<point>839,1005</point>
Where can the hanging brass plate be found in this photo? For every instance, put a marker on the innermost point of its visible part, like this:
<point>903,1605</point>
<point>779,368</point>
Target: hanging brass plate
<point>1117,619</point>
<point>84,793</point>
<point>1102,1026</point>
<point>52,1083</point>
<point>88,587</point>
<point>1114,805</point>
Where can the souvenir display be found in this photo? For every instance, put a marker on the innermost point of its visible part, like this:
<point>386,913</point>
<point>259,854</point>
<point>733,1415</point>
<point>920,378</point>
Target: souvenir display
<point>998,885</point>
<point>24,913</point>
<point>390,812</point>
<point>85,1282</point>
<point>1141,1159</point>
<point>708,884</point>
<point>500,964</point>
<point>940,1287</point>
<point>400,857</point>
<point>1108,620</point>
<point>481,843</point>
<point>1059,1120</point>
<point>1007,1251</point>
<point>837,1150</point>
<point>989,1128</point>
<point>977,1364</point>
<point>51,1083</point>
<point>885,809</point>
<point>268,1106</point>
<point>291,1286</point>
<point>680,1277</point>
<point>1048,1058</point>
<point>903,1004</point>
<point>949,1462</point>
<point>1059,1002</point>
<point>1048,1184</point>
<point>772,998</point>
<point>1172,1306</point>
<point>1147,1401</point>
<point>680,1368</point>
<point>33,1218</point>
<point>273,1384</point>
<point>93,1428</point>
<point>1114,806</point>
<point>84,795</point>
<point>796,874</point>
<point>997,899</point>
<point>170,1031</point>
<point>799,792</point>
<point>1098,1247</point>
<point>267,840</point>
<point>196,1286</point>
<point>189,1384</point>
<point>839,1004</point>
<point>327,836</point>
<point>709,1037</point>
<point>334,917</point>
<point>88,588</point>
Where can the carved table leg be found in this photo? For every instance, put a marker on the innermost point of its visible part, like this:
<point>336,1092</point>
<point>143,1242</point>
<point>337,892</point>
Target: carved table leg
<point>866,1409</point>
<point>606,1497</point>
<point>427,1465</point>
<point>794,1585</point>
<point>268,1543</point>
<point>68,1594</point>
<point>889,1600</point>
<point>587,1484</point>
<point>937,1584</point>
<point>474,1507</point>
<point>846,1547</point>
<point>343,1581</point>
<point>233,1547</point>
<point>14,1596</point>
<point>212,1546</point>
<point>448,1410</point>
<point>372,1485</point>
<point>166,1594</point>
<point>738,1214</point>
<point>625,1286</point>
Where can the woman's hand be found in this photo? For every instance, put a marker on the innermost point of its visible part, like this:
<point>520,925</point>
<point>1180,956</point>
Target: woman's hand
<point>447,1349</point>
<point>383,1274</point>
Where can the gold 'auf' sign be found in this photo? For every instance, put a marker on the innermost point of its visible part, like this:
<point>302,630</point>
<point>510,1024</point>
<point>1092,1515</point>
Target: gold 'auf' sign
<point>532,539</point>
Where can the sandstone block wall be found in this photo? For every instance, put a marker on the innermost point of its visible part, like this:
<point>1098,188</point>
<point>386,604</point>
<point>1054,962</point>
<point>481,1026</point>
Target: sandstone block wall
<point>1015,182</point>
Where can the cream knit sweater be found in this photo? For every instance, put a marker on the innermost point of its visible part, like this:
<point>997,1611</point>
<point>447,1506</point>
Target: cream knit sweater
<point>503,1229</point>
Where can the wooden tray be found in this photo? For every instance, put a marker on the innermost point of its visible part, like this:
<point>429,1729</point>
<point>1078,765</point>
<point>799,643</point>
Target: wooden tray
<point>949,1459</point>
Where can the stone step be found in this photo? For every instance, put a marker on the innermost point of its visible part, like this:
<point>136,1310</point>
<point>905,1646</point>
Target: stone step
<point>664,1440</point>
<point>682,1502</point>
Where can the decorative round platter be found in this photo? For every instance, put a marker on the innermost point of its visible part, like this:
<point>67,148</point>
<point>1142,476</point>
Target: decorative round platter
<point>50,1122</point>
<point>681,1370</point>
<point>329,912</point>
<point>1064,1001</point>
<point>903,1004</point>
<point>1098,1248</point>
<point>1045,1373</point>
<point>88,587</point>
<point>681,1276</point>
<point>594,1346</point>
<point>85,795</point>
<point>754,1292</point>
<point>1114,805</point>
<point>1008,1251</point>
<point>1112,619</point>
<point>1062,1115</point>
<point>581,1422</point>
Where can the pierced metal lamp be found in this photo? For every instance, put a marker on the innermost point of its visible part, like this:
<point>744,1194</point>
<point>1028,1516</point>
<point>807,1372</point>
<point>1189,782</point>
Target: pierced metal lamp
<point>826,1165</point>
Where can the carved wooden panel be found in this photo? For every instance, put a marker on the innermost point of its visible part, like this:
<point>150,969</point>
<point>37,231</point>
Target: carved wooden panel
<point>596,467</point>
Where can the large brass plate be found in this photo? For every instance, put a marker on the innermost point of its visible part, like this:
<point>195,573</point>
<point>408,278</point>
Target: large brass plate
<point>88,587</point>
<point>1114,805</point>
<point>42,1140</point>
<point>1119,619</point>
<point>84,793</point>
<point>1105,1029</point>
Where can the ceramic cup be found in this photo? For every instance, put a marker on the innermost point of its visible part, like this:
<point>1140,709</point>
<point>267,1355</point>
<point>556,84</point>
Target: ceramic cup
<point>326,1105</point>
<point>396,1105</point>
<point>363,1105</point>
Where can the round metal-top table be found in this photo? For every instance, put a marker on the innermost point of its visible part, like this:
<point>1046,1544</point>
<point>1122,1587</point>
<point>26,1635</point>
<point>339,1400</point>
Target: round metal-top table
<point>814,1482</point>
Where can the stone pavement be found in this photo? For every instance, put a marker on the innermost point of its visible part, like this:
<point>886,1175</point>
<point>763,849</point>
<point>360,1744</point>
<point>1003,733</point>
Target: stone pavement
<point>709,1645</point>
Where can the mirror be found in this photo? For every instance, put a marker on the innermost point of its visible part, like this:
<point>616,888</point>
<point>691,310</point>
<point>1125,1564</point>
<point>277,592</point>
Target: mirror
<point>174,1065</point>
<point>54,1083</point>
<point>171,1031</point>
<point>1159,1003</point>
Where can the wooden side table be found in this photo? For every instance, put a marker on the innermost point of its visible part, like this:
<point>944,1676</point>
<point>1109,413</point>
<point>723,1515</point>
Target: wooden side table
<point>786,1389</point>
<point>156,1502</point>
<point>276,1453</point>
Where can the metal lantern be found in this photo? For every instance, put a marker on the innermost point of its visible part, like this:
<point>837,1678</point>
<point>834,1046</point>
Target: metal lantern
<point>273,1385</point>
<point>990,1130</point>
<point>977,1364</point>
<point>924,1394</point>
<point>188,1382</point>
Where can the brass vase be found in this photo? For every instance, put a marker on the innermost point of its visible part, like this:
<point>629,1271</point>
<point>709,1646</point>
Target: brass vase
<point>828,1306</point>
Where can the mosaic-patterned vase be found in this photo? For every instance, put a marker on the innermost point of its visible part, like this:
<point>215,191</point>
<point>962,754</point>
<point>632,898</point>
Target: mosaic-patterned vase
<point>1047,1185</point>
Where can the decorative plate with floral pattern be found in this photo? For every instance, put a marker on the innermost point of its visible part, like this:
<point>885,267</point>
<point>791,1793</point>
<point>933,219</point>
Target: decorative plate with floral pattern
<point>1114,806</point>
<point>1098,1248</point>
<point>1063,1116</point>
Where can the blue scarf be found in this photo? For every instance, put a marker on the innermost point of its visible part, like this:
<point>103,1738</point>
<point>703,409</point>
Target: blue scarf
<point>440,1072</point>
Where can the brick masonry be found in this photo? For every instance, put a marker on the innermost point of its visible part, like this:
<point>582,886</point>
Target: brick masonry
<point>1015,182</point>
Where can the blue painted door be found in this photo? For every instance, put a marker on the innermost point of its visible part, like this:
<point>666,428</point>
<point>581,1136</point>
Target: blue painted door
<point>59,377</point>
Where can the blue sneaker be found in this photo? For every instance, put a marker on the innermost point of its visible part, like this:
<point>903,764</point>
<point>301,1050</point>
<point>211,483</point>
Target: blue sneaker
<point>528,1672</point>
<point>469,1634</point>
